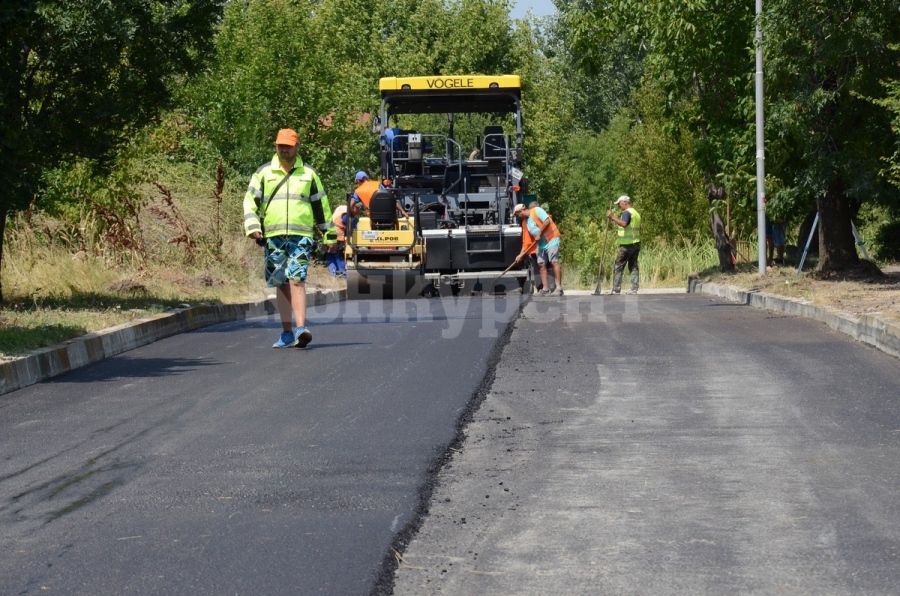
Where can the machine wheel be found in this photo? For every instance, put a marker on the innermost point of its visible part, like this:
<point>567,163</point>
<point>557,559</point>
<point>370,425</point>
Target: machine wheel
<point>430,291</point>
<point>373,284</point>
<point>449,289</point>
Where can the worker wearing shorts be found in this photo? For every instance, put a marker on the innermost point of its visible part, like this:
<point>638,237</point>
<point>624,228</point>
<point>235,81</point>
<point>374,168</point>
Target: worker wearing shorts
<point>541,226</point>
<point>775,242</point>
<point>284,207</point>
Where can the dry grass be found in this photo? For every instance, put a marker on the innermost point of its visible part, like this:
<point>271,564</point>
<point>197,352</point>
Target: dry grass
<point>855,292</point>
<point>92,297</point>
<point>663,264</point>
<point>185,246</point>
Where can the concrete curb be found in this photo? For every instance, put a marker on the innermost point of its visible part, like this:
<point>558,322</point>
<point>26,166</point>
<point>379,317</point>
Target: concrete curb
<point>42,364</point>
<point>872,329</point>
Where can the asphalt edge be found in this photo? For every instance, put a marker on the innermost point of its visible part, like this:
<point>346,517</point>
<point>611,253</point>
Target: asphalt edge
<point>872,329</point>
<point>44,363</point>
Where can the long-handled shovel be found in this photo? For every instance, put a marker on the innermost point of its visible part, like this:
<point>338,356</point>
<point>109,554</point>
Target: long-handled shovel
<point>602,257</point>
<point>514,263</point>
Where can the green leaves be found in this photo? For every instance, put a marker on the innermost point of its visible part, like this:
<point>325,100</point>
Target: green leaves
<point>823,61</point>
<point>79,76</point>
<point>826,68</point>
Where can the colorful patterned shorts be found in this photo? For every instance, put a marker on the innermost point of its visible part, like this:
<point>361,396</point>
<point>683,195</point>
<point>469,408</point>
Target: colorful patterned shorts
<point>287,258</point>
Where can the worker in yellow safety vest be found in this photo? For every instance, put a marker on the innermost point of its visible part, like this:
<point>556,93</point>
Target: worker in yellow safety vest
<point>284,208</point>
<point>628,240</point>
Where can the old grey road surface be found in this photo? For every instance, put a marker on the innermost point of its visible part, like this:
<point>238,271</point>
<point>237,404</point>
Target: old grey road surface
<point>210,463</point>
<point>670,445</point>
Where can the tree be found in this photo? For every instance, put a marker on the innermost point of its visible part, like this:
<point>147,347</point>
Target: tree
<point>254,87</point>
<point>602,64</point>
<point>687,64</point>
<point>825,142</point>
<point>77,77</point>
<point>666,179</point>
<point>323,81</point>
<point>892,103</point>
<point>826,61</point>
<point>431,37</point>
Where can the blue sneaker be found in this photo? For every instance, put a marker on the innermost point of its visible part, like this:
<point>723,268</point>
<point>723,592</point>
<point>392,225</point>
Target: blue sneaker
<point>302,337</point>
<point>286,340</point>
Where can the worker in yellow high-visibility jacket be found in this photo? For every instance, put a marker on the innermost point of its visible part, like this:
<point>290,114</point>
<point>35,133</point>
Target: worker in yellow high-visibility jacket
<point>629,241</point>
<point>285,206</point>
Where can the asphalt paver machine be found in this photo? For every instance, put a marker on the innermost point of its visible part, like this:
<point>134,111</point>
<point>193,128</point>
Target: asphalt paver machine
<point>451,157</point>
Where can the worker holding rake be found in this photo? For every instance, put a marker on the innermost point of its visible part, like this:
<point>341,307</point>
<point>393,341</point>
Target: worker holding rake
<point>629,241</point>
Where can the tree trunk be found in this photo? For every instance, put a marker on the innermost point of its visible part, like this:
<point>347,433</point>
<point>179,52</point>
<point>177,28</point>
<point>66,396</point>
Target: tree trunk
<point>723,242</point>
<point>3,212</point>
<point>837,248</point>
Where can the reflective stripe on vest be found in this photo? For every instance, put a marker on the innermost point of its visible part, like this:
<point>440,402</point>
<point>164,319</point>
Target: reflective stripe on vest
<point>550,232</point>
<point>298,207</point>
<point>630,234</point>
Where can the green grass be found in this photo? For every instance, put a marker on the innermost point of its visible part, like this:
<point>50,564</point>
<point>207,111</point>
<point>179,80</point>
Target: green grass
<point>91,293</point>
<point>27,327</point>
<point>77,273</point>
<point>40,321</point>
<point>662,264</point>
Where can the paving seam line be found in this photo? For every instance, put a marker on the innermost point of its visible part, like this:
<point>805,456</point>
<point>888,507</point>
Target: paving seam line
<point>873,329</point>
<point>44,363</point>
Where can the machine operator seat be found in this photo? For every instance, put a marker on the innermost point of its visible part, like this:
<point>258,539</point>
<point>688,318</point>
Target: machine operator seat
<point>383,210</point>
<point>494,143</point>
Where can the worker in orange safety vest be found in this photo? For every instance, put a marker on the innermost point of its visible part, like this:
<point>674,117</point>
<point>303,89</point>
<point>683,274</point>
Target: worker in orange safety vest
<point>541,226</point>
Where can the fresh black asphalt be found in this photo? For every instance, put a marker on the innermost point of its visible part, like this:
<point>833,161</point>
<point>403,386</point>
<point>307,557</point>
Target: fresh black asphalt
<point>210,463</point>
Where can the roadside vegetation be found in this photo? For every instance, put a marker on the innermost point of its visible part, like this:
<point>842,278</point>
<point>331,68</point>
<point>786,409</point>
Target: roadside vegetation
<point>123,185</point>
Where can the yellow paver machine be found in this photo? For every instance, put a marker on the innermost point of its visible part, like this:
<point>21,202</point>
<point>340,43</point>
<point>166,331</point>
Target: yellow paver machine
<point>451,168</point>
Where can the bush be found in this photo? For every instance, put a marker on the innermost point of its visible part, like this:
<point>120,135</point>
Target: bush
<point>888,242</point>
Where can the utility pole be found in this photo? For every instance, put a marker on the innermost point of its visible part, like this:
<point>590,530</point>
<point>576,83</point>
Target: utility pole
<point>760,147</point>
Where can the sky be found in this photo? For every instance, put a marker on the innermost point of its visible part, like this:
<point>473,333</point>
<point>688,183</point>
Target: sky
<point>540,8</point>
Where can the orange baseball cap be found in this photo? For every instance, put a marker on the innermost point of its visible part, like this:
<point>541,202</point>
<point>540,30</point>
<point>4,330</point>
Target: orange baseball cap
<point>286,136</point>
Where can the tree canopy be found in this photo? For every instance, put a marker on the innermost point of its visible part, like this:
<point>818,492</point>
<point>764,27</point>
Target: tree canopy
<point>823,65</point>
<point>78,78</point>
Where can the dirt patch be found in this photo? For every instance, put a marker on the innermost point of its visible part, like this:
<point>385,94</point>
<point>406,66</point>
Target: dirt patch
<point>855,292</point>
<point>319,278</point>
